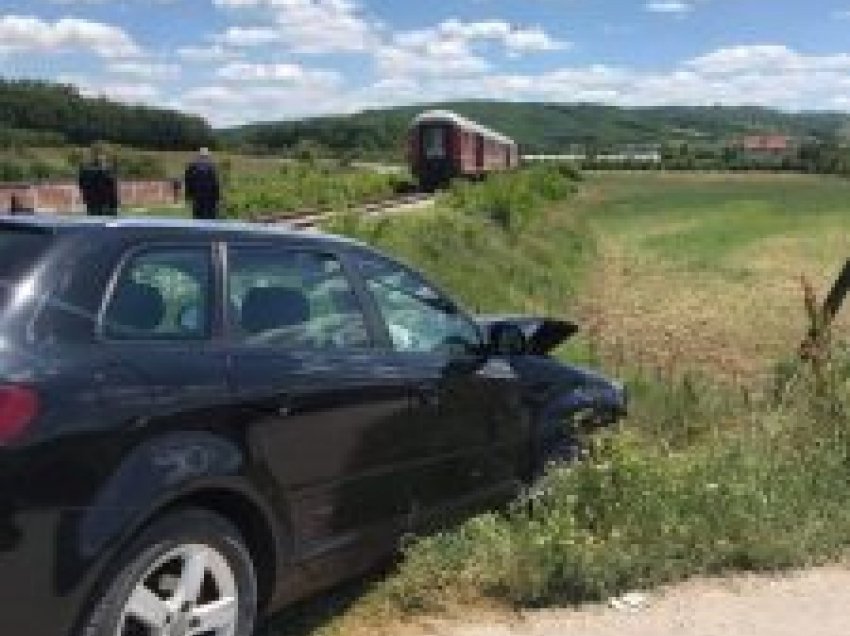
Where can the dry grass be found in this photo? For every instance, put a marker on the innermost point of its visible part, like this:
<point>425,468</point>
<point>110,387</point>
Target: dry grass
<point>659,299</point>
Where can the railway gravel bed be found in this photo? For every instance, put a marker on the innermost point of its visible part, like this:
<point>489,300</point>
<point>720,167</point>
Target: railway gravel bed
<point>311,219</point>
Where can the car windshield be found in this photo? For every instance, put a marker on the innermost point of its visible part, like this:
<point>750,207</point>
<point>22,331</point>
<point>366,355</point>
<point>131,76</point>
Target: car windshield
<point>20,250</point>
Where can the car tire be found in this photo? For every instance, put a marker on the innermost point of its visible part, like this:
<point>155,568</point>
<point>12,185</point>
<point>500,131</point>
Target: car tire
<point>186,571</point>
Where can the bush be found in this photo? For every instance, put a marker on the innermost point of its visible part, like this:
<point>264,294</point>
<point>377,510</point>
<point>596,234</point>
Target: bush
<point>129,164</point>
<point>511,199</point>
<point>298,186</point>
<point>25,165</point>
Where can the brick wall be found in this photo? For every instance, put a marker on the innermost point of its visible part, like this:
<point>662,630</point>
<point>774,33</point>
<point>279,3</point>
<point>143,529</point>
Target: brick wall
<point>64,198</point>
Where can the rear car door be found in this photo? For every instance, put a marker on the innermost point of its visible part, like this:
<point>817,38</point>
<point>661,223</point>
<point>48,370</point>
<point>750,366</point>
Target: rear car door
<point>467,419</point>
<point>157,323</point>
<point>327,414</point>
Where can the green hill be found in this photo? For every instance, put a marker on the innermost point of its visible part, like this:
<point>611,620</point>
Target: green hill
<point>41,113</point>
<point>34,113</point>
<point>540,127</point>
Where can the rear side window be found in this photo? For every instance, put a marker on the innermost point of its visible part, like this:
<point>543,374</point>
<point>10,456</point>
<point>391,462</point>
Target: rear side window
<point>293,299</point>
<point>20,251</point>
<point>162,294</point>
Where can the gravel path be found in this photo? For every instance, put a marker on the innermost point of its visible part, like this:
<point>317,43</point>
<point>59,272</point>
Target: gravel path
<point>813,603</point>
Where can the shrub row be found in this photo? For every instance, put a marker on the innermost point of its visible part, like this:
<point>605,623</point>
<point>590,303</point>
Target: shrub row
<point>510,200</point>
<point>29,166</point>
<point>297,186</point>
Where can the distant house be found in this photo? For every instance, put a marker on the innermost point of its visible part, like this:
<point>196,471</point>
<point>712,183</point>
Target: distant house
<point>767,144</point>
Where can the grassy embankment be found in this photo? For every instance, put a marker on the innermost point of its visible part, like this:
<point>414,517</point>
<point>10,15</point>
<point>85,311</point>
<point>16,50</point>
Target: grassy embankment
<point>501,244</point>
<point>712,471</point>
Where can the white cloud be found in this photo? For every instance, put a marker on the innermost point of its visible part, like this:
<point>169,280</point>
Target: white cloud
<point>210,53</point>
<point>248,36</point>
<point>230,104</point>
<point>294,74</point>
<point>532,39</point>
<point>677,7</point>
<point>513,38</point>
<point>150,70</point>
<point>309,26</point>
<point>770,59</point>
<point>133,93</point>
<point>20,34</point>
<point>449,48</point>
<point>841,14</point>
<point>445,58</point>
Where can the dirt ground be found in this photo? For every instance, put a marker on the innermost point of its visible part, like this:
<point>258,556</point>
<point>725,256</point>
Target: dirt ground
<point>812,603</point>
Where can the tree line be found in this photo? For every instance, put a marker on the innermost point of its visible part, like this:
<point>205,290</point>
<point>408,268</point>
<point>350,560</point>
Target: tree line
<point>38,111</point>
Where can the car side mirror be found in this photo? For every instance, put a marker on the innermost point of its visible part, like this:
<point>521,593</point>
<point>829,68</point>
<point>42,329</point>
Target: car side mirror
<point>507,339</point>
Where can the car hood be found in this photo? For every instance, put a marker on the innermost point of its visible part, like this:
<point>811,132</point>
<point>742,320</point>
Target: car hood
<point>543,334</point>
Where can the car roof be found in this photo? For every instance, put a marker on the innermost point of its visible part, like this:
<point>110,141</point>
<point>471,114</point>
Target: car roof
<point>58,224</point>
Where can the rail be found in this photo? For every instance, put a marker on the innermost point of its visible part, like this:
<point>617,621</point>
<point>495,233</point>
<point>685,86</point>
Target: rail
<point>307,219</point>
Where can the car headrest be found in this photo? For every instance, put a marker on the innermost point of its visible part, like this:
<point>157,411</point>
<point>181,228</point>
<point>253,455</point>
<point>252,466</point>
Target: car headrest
<point>137,306</point>
<point>267,308</point>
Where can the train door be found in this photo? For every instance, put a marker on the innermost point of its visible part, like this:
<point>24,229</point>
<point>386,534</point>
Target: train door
<point>436,155</point>
<point>479,154</point>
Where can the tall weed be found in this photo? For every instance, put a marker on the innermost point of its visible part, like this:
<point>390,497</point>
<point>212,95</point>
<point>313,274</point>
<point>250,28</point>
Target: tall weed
<point>511,200</point>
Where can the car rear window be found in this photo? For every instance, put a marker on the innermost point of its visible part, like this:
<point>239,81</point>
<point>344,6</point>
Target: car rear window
<point>20,251</point>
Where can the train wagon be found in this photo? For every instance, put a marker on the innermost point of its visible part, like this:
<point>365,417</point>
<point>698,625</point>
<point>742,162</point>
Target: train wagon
<point>446,146</point>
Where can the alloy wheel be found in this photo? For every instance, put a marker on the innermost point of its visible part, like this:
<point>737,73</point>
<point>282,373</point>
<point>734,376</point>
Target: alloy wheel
<point>189,591</point>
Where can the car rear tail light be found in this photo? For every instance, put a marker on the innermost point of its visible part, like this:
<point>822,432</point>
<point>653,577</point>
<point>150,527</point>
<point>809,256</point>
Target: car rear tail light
<point>18,408</point>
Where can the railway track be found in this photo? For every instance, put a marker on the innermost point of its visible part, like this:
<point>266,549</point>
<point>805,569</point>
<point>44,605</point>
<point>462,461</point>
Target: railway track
<point>312,218</point>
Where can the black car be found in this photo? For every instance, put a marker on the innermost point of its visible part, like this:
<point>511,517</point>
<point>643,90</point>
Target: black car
<point>202,422</point>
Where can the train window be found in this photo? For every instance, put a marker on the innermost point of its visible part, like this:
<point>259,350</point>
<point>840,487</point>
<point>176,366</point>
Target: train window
<point>434,141</point>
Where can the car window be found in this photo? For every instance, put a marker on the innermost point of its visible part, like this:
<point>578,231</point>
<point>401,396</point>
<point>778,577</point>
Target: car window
<point>418,317</point>
<point>162,294</point>
<point>296,299</point>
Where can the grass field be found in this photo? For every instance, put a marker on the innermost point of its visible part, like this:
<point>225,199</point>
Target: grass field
<point>703,271</point>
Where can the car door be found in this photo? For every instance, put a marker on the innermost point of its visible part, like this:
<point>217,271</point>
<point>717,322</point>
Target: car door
<point>327,413</point>
<point>157,324</point>
<point>466,419</point>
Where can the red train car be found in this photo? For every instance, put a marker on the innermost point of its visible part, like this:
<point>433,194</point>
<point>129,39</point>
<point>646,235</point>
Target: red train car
<point>445,146</point>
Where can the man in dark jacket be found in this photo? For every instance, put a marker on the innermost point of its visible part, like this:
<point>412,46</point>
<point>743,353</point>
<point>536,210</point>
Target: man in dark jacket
<point>202,186</point>
<point>99,187</point>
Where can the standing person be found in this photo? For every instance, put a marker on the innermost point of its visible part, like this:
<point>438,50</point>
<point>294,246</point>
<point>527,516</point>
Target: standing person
<point>98,186</point>
<point>202,186</point>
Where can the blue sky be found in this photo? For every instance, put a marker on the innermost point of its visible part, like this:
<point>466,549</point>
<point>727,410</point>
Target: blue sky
<point>245,60</point>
